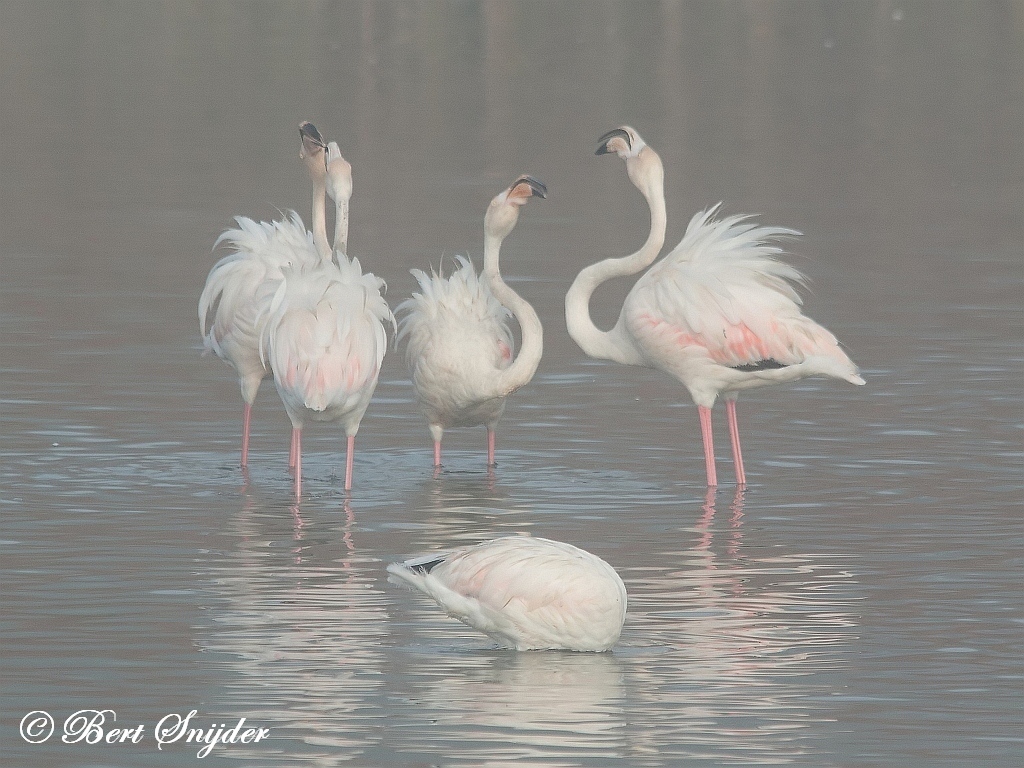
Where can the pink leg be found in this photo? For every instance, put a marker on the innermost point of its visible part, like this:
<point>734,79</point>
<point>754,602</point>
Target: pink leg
<point>437,453</point>
<point>709,445</point>
<point>490,447</point>
<point>292,450</point>
<point>297,443</point>
<point>246,418</point>
<point>348,461</point>
<point>734,435</point>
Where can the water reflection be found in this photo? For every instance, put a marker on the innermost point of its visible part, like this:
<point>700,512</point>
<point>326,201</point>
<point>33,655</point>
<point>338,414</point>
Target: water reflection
<point>299,624</point>
<point>704,524</point>
<point>505,708</point>
<point>726,650</point>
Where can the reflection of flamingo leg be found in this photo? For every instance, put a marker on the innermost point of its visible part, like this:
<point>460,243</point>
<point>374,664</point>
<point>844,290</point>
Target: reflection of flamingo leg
<point>297,443</point>
<point>734,435</point>
<point>490,446</point>
<point>704,524</point>
<point>349,452</point>
<point>709,445</point>
<point>297,532</point>
<point>246,417</point>
<point>736,523</point>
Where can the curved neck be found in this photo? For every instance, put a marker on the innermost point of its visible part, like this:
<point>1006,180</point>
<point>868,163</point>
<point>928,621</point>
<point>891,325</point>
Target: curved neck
<point>592,340</point>
<point>323,246</point>
<point>341,226</point>
<point>525,365</point>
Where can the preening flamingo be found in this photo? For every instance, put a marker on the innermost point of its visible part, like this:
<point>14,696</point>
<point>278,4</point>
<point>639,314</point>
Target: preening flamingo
<point>719,312</point>
<point>458,342</point>
<point>526,593</point>
<point>324,335</point>
<point>229,307</point>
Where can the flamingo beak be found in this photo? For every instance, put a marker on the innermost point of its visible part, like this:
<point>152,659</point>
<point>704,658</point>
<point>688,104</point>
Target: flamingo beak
<point>311,138</point>
<point>537,187</point>
<point>603,141</point>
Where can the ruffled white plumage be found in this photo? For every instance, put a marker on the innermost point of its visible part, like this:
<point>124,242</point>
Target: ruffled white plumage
<point>324,337</point>
<point>526,593</point>
<point>230,306</point>
<point>720,300</point>
<point>457,339</point>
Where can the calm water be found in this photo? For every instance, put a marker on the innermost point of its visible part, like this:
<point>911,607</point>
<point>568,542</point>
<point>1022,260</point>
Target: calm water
<point>859,604</point>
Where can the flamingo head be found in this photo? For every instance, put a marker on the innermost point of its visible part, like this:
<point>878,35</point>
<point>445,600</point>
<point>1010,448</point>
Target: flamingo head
<point>339,174</point>
<point>503,212</point>
<point>313,149</point>
<point>642,163</point>
<point>624,141</point>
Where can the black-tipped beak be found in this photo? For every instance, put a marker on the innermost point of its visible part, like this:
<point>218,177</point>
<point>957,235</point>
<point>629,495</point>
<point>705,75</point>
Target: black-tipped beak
<point>536,187</point>
<point>309,134</point>
<point>603,141</point>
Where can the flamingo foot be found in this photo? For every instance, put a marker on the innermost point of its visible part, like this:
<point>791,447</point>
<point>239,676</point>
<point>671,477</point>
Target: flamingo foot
<point>709,445</point>
<point>734,436</point>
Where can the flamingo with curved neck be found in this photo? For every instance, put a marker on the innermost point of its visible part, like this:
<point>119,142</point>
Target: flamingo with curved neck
<point>459,345</point>
<point>502,215</point>
<point>719,312</point>
<point>646,172</point>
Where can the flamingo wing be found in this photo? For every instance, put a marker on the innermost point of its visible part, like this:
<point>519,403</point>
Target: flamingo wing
<point>458,340</point>
<point>723,293</point>
<point>230,303</point>
<point>446,309</point>
<point>325,339</point>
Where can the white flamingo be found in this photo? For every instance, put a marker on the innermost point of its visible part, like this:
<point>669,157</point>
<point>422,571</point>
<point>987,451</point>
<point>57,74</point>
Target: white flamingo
<point>459,345</point>
<point>719,313</point>
<point>324,335</point>
<point>526,593</point>
<point>230,302</point>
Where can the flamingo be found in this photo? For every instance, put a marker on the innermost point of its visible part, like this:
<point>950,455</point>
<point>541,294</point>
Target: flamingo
<point>459,345</point>
<point>526,593</point>
<point>324,336</point>
<point>230,302</point>
<point>719,312</point>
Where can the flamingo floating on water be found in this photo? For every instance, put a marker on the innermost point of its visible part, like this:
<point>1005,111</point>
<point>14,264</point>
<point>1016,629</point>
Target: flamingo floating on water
<point>526,593</point>
<point>458,342</point>
<point>719,312</point>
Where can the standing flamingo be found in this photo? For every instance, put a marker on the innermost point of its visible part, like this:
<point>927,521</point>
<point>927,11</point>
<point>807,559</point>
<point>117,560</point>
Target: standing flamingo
<point>719,313</point>
<point>527,593</point>
<point>324,335</point>
<point>229,306</point>
<point>459,348</point>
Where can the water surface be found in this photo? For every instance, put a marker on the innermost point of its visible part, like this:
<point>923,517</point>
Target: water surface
<point>857,604</point>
